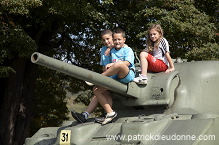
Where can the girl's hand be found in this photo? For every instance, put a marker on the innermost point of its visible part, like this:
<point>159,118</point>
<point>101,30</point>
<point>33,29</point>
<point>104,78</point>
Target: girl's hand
<point>172,68</point>
<point>169,70</point>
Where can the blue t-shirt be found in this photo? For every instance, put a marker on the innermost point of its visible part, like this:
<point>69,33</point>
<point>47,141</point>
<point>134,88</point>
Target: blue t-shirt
<point>123,54</point>
<point>104,59</point>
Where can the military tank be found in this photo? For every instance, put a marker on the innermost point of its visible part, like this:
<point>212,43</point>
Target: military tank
<point>178,108</point>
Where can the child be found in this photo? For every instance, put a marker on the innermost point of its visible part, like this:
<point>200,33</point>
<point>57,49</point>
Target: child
<point>121,69</point>
<point>106,37</point>
<point>156,57</point>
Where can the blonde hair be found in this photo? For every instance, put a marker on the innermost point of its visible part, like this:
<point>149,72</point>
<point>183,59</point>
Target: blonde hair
<point>150,44</point>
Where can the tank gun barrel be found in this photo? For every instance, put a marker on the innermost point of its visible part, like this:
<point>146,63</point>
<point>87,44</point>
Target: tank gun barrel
<point>78,72</point>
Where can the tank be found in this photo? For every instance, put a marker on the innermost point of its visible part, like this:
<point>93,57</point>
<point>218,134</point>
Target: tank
<point>177,108</point>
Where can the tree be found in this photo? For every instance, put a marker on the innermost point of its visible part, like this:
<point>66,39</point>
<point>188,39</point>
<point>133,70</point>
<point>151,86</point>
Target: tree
<point>27,26</point>
<point>49,107</point>
<point>17,78</point>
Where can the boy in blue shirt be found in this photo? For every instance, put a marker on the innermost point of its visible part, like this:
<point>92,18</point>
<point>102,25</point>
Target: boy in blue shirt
<point>106,37</point>
<point>121,69</point>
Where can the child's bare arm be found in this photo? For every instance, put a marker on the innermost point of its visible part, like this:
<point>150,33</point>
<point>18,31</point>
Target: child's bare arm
<point>169,59</point>
<point>107,52</point>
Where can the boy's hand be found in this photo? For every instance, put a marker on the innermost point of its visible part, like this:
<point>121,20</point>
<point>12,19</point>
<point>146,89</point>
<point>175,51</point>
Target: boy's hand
<point>107,52</point>
<point>108,66</point>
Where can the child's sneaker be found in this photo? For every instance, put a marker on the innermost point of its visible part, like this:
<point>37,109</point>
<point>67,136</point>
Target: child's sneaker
<point>80,117</point>
<point>89,84</point>
<point>142,80</point>
<point>109,118</point>
<point>100,119</point>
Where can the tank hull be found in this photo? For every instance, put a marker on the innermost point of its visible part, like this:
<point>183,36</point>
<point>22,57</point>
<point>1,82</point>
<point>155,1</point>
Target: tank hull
<point>156,129</point>
<point>179,108</point>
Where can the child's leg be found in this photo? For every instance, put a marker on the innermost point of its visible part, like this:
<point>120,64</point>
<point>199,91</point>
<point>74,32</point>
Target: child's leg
<point>92,105</point>
<point>102,99</point>
<point>108,97</point>
<point>142,79</point>
<point>109,100</point>
<point>106,104</point>
<point>82,117</point>
<point>119,68</point>
<point>144,62</point>
<point>94,102</point>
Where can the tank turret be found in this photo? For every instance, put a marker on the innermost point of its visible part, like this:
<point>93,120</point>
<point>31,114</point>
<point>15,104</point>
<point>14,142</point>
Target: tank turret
<point>181,107</point>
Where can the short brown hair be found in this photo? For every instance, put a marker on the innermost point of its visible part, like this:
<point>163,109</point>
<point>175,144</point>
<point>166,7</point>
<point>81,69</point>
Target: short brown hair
<point>106,31</point>
<point>119,30</point>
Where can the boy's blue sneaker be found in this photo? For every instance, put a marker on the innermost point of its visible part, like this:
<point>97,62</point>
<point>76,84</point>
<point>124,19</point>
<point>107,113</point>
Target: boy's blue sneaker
<point>79,117</point>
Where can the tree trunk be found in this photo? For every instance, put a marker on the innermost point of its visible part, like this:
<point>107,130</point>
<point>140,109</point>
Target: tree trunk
<point>16,110</point>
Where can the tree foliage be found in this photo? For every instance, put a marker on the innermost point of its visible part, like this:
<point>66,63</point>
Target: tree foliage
<point>209,51</point>
<point>70,31</point>
<point>49,97</point>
